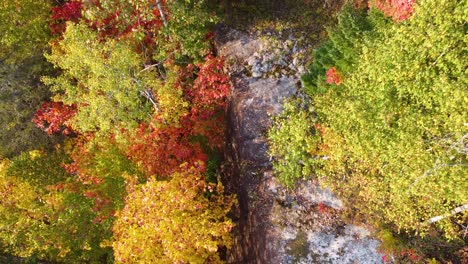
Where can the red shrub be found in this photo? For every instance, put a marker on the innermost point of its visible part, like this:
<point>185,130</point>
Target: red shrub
<point>211,87</point>
<point>333,77</point>
<point>161,150</point>
<point>398,10</point>
<point>112,23</point>
<point>70,11</point>
<point>54,117</point>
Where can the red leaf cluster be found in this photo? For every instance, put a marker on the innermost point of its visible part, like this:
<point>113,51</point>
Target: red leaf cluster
<point>322,207</point>
<point>208,100</point>
<point>333,76</point>
<point>70,11</point>
<point>113,25</point>
<point>161,150</point>
<point>411,255</point>
<point>54,117</point>
<point>398,10</point>
<point>211,88</point>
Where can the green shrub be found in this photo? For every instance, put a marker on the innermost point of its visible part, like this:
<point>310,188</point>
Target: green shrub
<point>293,143</point>
<point>103,78</point>
<point>41,218</point>
<point>343,47</point>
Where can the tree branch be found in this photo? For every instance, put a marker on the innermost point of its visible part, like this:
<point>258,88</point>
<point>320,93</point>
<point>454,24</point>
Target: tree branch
<point>149,95</point>
<point>454,211</point>
<point>161,12</point>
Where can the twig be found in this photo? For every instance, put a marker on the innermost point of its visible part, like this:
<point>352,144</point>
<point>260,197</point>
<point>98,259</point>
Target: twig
<point>149,95</point>
<point>150,66</point>
<point>161,12</point>
<point>454,211</point>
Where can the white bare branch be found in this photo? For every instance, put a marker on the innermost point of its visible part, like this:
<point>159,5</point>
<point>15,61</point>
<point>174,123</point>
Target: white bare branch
<point>161,12</point>
<point>454,211</point>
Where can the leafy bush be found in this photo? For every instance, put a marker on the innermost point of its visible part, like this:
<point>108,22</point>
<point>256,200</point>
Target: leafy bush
<point>187,30</point>
<point>173,221</point>
<point>293,143</point>
<point>396,126</point>
<point>42,213</point>
<point>136,94</point>
<point>103,79</point>
<point>343,47</point>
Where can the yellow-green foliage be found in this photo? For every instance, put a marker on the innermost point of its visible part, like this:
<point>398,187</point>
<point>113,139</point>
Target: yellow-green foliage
<point>103,78</point>
<point>24,29</point>
<point>397,137</point>
<point>293,142</point>
<point>38,219</point>
<point>181,220</point>
<point>169,96</point>
<point>187,28</point>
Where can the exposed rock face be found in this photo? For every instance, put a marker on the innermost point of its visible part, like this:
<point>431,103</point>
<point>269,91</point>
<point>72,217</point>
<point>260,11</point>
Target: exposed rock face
<point>276,225</point>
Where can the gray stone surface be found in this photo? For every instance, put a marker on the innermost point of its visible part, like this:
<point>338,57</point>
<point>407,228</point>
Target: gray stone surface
<point>266,56</point>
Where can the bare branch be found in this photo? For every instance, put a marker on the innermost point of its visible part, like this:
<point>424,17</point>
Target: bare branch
<point>161,12</point>
<point>148,94</point>
<point>454,211</point>
<point>460,146</point>
<point>150,66</point>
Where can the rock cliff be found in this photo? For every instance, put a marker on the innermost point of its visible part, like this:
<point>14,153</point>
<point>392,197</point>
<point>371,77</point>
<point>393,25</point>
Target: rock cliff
<point>276,225</point>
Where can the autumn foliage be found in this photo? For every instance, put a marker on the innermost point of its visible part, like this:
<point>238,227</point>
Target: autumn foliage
<point>398,10</point>
<point>139,106</point>
<point>69,11</point>
<point>333,77</point>
<point>173,221</point>
<point>54,117</point>
<point>161,150</point>
<point>211,87</point>
<point>393,141</point>
<point>116,19</point>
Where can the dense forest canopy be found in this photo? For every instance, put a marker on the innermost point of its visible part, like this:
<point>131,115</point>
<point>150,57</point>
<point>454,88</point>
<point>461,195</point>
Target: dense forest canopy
<point>112,125</point>
<point>130,101</point>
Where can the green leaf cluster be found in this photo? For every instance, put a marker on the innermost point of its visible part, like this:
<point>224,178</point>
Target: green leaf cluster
<point>187,30</point>
<point>293,143</point>
<point>103,78</point>
<point>341,50</point>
